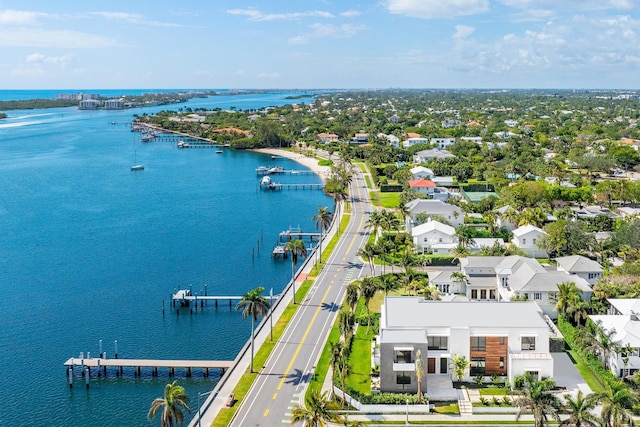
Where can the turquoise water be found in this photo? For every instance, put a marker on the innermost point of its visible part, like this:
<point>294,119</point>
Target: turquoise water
<point>89,250</point>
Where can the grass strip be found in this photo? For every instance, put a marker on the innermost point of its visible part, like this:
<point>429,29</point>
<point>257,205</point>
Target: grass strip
<point>226,414</point>
<point>360,361</point>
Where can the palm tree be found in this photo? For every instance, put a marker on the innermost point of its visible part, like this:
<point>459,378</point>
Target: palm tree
<point>460,366</point>
<point>375,222</point>
<point>323,220</point>
<point>352,294</point>
<point>419,373</point>
<point>174,401</point>
<point>536,397</point>
<point>579,409</point>
<point>369,253</point>
<point>344,369</point>
<point>346,321</point>
<point>387,283</point>
<point>255,305</point>
<point>368,290</point>
<point>460,251</point>
<point>567,294</point>
<point>465,235</point>
<point>459,277</point>
<point>617,401</point>
<point>604,343</point>
<point>317,411</point>
<point>296,247</point>
<point>336,350</point>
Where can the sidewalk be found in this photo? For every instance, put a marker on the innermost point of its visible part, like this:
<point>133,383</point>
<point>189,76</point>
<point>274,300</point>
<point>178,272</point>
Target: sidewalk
<point>218,396</point>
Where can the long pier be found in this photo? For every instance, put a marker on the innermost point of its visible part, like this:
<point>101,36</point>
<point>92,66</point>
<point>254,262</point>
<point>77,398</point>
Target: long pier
<point>275,171</point>
<point>276,186</point>
<point>86,365</point>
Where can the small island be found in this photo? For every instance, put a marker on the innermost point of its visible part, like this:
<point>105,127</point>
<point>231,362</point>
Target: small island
<point>3,116</point>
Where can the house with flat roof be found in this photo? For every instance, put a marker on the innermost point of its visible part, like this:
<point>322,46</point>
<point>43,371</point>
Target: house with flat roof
<point>410,142</point>
<point>442,143</point>
<point>505,339</point>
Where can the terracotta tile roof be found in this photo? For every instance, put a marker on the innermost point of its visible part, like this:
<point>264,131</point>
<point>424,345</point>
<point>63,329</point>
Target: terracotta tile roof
<point>421,183</point>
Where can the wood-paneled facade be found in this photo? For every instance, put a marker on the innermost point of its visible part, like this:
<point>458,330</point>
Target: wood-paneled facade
<point>494,352</point>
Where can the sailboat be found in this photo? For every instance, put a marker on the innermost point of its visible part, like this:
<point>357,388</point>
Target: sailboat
<point>136,166</point>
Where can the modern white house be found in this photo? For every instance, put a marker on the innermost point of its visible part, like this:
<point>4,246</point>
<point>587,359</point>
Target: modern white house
<point>434,153</point>
<point>506,339</point>
<point>410,142</point>
<point>527,238</point>
<point>442,143</point>
<point>623,320</point>
<point>432,233</point>
<point>434,208</point>
<point>501,221</point>
<point>581,266</point>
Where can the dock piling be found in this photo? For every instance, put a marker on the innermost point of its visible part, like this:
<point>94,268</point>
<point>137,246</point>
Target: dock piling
<point>70,375</point>
<point>86,378</point>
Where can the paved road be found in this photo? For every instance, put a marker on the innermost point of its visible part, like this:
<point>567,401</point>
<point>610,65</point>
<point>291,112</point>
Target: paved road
<point>283,380</point>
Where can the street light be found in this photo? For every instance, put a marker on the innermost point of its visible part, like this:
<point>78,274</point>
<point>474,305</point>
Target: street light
<point>199,412</point>
<point>407,422</point>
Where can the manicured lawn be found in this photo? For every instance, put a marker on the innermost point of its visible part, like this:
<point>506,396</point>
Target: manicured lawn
<point>360,361</point>
<point>322,368</point>
<point>389,200</point>
<point>451,408</point>
<point>493,392</point>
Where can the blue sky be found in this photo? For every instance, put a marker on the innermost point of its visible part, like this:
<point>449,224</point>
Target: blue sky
<point>320,44</point>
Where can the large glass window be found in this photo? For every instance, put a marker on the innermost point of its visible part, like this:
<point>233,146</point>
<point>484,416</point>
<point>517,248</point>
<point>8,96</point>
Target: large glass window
<point>528,343</point>
<point>478,343</point>
<point>474,294</point>
<point>478,365</point>
<point>437,343</point>
<point>403,380</point>
<point>403,356</point>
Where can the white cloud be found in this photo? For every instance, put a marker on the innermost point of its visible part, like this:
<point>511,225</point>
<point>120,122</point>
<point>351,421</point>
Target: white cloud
<point>350,13</point>
<point>36,64</point>
<point>571,5</point>
<point>319,31</point>
<point>133,19</point>
<point>268,75</point>
<point>256,15</point>
<point>19,17</point>
<point>54,38</point>
<point>463,31</point>
<point>430,9</point>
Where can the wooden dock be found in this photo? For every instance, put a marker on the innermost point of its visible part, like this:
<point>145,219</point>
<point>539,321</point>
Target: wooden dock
<point>100,365</point>
<point>291,234</point>
<point>276,186</point>
<point>273,171</point>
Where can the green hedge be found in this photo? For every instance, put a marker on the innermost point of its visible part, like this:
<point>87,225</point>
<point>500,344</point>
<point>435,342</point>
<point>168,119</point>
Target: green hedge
<point>390,188</point>
<point>386,398</point>
<point>442,260</point>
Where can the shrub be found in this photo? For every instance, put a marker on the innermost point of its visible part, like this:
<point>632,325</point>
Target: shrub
<point>484,401</point>
<point>506,401</point>
<point>479,379</point>
<point>496,401</point>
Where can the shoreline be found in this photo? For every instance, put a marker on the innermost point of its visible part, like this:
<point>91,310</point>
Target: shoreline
<point>310,162</point>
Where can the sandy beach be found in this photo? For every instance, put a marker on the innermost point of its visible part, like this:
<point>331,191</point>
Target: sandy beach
<point>310,162</point>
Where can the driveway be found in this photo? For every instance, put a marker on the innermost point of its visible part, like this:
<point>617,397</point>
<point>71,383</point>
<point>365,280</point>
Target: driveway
<point>566,374</point>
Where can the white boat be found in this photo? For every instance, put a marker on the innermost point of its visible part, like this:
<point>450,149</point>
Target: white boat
<point>218,151</point>
<point>261,170</point>
<point>182,144</point>
<point>276,169</point>
<point>265,181</point>
<point>137,167</point>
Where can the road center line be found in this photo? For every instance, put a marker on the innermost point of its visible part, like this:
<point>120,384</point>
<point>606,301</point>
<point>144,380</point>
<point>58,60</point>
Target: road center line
<point>304,337</point>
